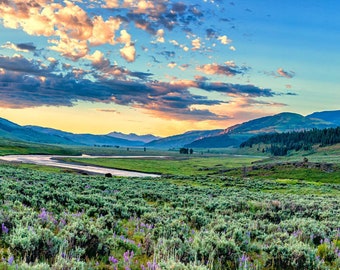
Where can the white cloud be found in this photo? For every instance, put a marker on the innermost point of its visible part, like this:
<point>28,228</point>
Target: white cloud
<point>196,44</point>
<point>224,40</point>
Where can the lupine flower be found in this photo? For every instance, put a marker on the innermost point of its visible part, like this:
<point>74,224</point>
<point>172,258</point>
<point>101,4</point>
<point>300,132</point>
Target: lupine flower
<point>243,261</point>
<point>152,265</point>
<point>337,252</point>
<point>128,255</point>
<point>113,260</point>
<point>10,260</point>
<point>43,214</point>
<point>4,229</point>
<point>62,222</point>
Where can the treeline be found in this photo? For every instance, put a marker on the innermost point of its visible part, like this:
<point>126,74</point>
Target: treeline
<point>281,143</point>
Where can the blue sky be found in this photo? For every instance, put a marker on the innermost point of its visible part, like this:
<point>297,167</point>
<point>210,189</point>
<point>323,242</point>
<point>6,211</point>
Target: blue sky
<point>165,67</point>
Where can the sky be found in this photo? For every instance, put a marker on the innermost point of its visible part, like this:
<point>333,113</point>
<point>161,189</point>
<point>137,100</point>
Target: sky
<point>165,67</point>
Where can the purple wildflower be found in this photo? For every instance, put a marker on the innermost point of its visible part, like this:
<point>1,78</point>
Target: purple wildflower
<point>128,255</point>
<point>113,260</point>
<point>243,261</point>
<point>152,265</point>
<point>43,214</point>
<point>4,228</point>
<point>62,222</point>
<point>337,252</point>
<point>10,260</point>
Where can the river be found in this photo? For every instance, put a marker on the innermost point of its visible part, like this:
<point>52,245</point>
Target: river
<point>50,160</point>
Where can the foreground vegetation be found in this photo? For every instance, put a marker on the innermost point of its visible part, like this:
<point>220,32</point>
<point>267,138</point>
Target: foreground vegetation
<point>213,218</point>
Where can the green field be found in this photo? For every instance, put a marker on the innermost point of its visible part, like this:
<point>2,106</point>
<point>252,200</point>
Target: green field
<point>207,211</point>
<point>171,165</point>
<point>11,147</point>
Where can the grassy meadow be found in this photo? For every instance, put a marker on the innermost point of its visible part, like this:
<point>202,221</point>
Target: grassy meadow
<point>209,210</point>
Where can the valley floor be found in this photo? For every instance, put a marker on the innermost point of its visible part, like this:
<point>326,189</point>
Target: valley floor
<point>214,218</point>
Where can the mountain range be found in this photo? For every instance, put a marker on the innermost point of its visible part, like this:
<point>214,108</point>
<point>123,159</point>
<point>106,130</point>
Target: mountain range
<point>36,134</point>
<point>232,136</point>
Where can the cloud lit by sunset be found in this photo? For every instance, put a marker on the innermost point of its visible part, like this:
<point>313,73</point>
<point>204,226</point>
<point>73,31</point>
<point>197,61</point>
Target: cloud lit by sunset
<point>164,67</point>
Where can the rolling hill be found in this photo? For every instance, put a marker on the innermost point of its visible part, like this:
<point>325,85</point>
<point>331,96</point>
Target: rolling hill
<point>86,139</point>
<point>180,140</point>
<point>36,134</point>
<point>232,136</point>
<point>328,116</point>
<point>282,122</point>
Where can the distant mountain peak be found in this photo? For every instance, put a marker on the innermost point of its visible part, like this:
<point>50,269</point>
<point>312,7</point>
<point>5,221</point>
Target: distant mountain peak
<point>133,136</point>
<point>231,136</point>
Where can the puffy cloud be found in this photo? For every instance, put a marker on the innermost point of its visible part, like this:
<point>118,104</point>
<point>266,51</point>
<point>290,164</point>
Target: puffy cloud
<point>174,42</point>
<point>18,63</point>
<point>111,4</point>
<point>30,16</point>
<point>228,70</point>
<point>73,21</point>
<point>27,83</point>
<point>144,6</point>
<point>20,47</point>
<point>128,52</point>
<point>172,65</point>
<point>185,48</point>
<point>287,74</point>
<point>125,37</point>
<point>98,60</point>
<point>104,31</point>
<point>106,70</point>
<point>70,47</point>
<point>69,27</point>
<point>224,40</point>
<point>196,44</point>
<point>160,36</point>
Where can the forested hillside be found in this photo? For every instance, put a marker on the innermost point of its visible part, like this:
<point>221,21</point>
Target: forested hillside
<point>281,143</point>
